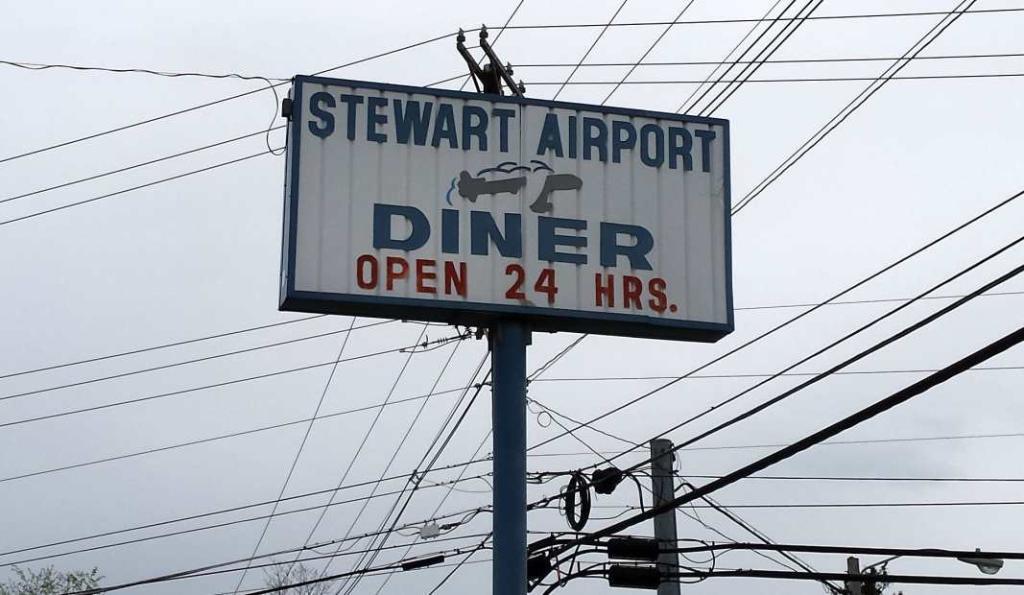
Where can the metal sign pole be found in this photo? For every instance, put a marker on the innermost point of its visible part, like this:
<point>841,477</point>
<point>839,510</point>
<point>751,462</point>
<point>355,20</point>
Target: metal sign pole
<point>508,341</point>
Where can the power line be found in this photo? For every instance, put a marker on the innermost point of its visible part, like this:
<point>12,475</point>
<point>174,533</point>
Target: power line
<point>412,481</point>
<point>634,65</point>
<point>133,188</point>
<point>991,350</point>
<point>160,73</point>
<point>355,456</point>
<point>872,478</point>
<point>860,355</point>
<point>658,63</point>
<point>460,479</point>
<point>202,388</point>
<point>801,315</point>
<point>766,375</point>
<point>217,101</point>
<point>590,49</point>
<point>919,46</point>
<point>874,301</point>
<point>206,358</point>
<point>720,64</point>
<point>141,164</point>
<point>831,17</point>
<point>847,362</point>
<point>771,25</point>
<point>161,346</point>
<point>831,79</point>
<point>219,525</point>
<point>211,570</point>
<point>301,448</point>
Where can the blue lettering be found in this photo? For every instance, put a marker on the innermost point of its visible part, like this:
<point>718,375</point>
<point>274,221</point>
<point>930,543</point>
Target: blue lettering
<point>444,127</point>
<point>503,116</point>
<point>573,132</point>
<point>681,148</point>
<point>469,129</point>
<point>326,127</point>
<point>643,242</point>
<point>482,228</point>
<point>413,121</point>
<point>619,142</point>
<point>548,241</point>
<point>705,136</point>
<point>645,145</point>
<point>382,238</point>
<point>374,119</point>
<point>550,136</point>
<point>449,231</point>
<point>351,101</point>
<point>592,140</point>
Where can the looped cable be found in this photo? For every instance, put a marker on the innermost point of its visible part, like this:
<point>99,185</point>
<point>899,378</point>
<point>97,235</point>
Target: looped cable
<point>578,487</point>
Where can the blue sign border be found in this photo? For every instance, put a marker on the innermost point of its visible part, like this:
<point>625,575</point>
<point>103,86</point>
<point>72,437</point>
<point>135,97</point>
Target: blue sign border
<point>478,313</point>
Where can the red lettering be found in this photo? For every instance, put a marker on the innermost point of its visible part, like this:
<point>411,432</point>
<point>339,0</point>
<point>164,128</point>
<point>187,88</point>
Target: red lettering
<point>361,270</point>
<point>632,287</point>
<point>603,292</point>
<point>546,284</point>
<point>658,301</point>
<point>397,268</point>
<point>454,280</point>
<point>423,275</point>
<point>516,291</point>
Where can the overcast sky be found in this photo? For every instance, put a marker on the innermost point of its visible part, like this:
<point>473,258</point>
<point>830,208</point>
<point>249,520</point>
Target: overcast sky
<point>200,256</point>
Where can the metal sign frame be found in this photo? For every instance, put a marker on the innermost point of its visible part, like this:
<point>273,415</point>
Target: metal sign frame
<point>543,319</point>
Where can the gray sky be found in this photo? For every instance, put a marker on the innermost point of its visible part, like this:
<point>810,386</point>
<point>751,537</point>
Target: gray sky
<point>200,256</point>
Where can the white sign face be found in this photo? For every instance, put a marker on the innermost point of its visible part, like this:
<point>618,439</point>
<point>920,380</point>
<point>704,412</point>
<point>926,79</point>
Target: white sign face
<point>416,203</point>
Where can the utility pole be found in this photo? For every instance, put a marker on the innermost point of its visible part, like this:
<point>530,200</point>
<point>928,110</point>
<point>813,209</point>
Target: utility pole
<point>853,567</point>
<point>663,484</point>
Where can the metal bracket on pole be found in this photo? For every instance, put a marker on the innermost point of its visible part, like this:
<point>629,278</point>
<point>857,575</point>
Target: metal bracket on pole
<point>488,78</point>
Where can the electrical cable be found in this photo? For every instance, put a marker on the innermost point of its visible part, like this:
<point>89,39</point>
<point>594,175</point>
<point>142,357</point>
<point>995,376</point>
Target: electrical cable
<point>217,101</point>
<point>853,359</point>
<point>899,397</point>
<point>919,46</point>
<point>218,525</point>
<point>774,61</point>
<point>906,331</point>
<point>412,481</point>
<point>133,188</point>
<point>784,324</point>
<point>824,79</point>
<point>733,50</point>
<point>98,358</point>
<point>830,17</point>
<point>152,525</point>
<point>160,73</point>
<point>643,57</point>
<point>749,70</point>
<point>762,375</point>
<point>50,389</point>
<point>590,49</point>
<point>732,63</point>
<point>138,165</point>
<point>427,466</point>
<point>219,437</point>
<point>301,448</point>
<point>204,387</point>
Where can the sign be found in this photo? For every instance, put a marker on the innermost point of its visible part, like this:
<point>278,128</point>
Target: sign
<point>426,204</point>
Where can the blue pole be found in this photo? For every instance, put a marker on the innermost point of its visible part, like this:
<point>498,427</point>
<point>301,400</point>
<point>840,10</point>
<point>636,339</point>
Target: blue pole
<point>508,410</point>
